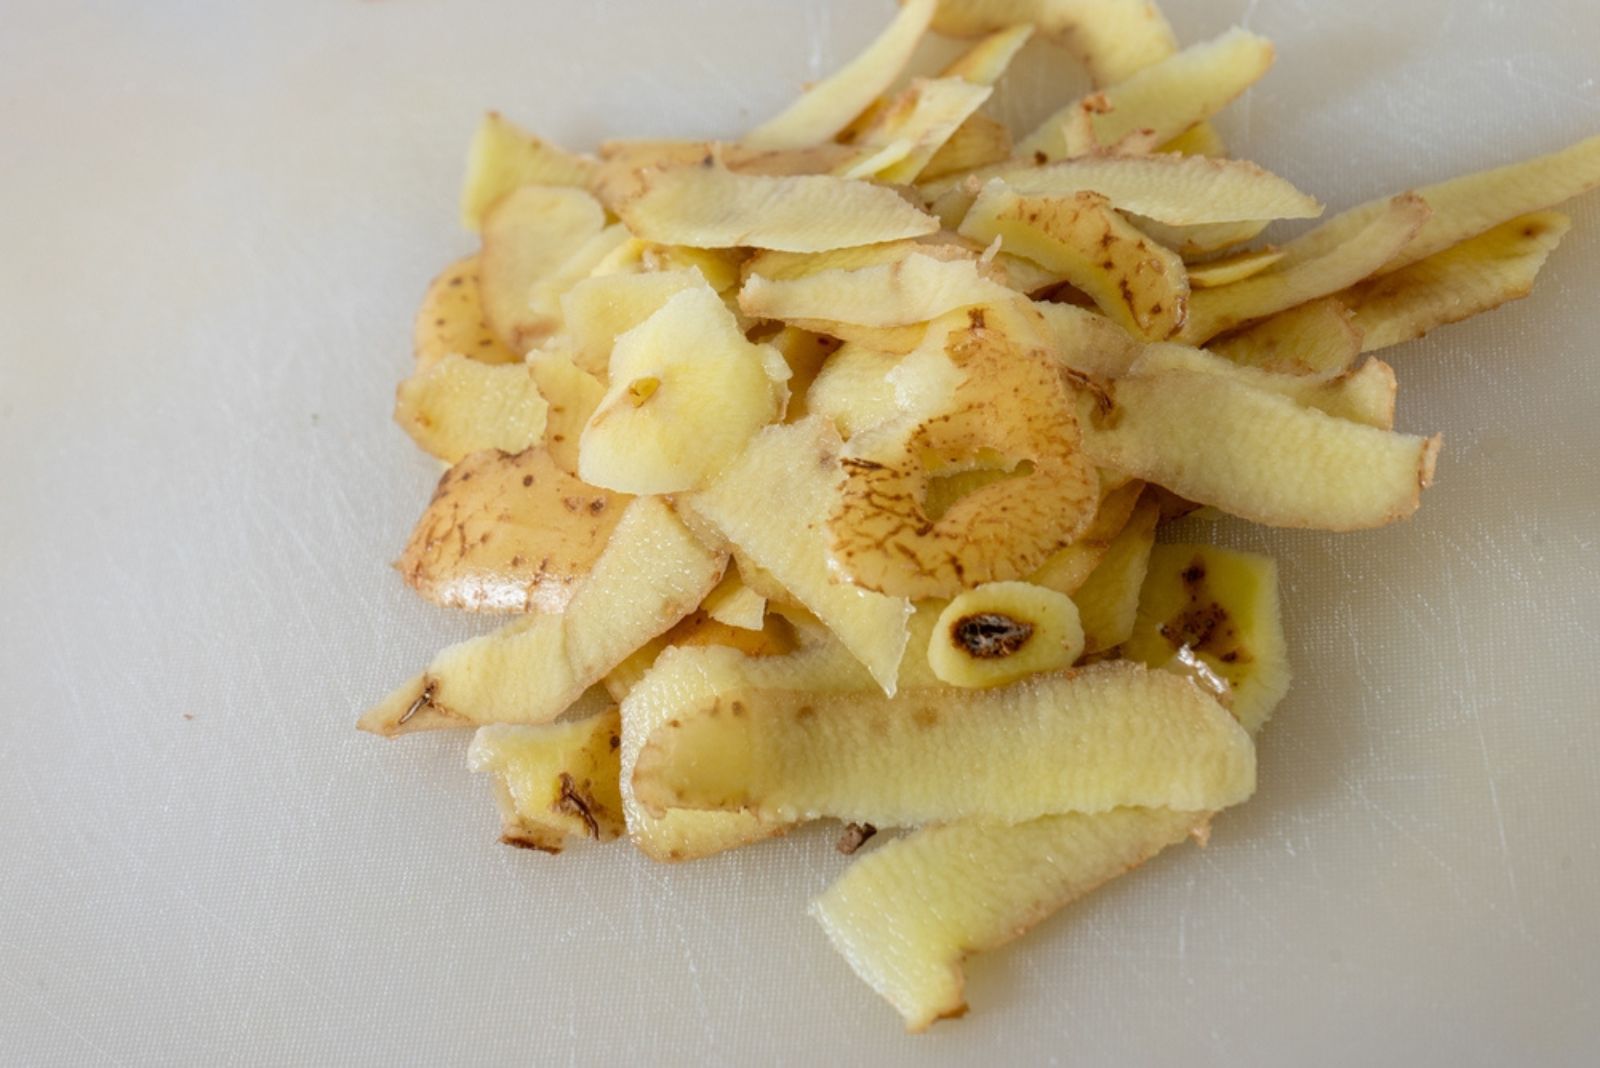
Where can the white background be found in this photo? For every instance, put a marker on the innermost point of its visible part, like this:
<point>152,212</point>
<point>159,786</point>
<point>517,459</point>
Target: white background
<point>215,221</point>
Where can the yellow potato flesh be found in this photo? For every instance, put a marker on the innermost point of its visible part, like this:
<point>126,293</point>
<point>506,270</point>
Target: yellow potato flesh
<point>1212,311</point>
<point>978,142</point>
<point>1235,268</point>
<point>1221,608</point>
<point>1481,273</point>
<point>687,391</point>
<point>911,128</point>
<point>561,779</point>
<point>1313,338</point>
<point>1069,567</point>
<point>1176,190</point>
<point>1112,38</point>
<point>773,503</point>
<point>459,406</point>
<point>529,234</point>
<point>572,395</point>
<point>1108,599</point>
<point>1466,206</point>
<point>1363,396</point>
<point>711,207</point>
<point>915,289</point>
<point>908,913</point>
<point>504,157</point>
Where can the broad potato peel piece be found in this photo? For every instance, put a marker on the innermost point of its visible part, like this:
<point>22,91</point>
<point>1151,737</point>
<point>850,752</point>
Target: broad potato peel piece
<point>712,207</point>
<point>451,320</point>
<point>652,574</point>
<point>687,391</point>
<point>1317,337</point>
<point>1258,455</point>
<point>1165,98</point>
<point>1176,190</point>
<point>1481,273</point>
<point>1466,206</point>
<point>508,533</point>
<point>1203,607</point>
<point>882,536</point>
<point>1135,281</point>
<point>597,310</point>
<point>1212,311</point>
<point>912,127</point>
<point>459,406</point>
<point>772,503</point>
<point>1088,741</point>
<point>978,142</point>
<point>555,780</point>
<point>680,678</point>
<point>504,157</point>
<point>908,913</point>
<point>830,105</point>
<point>529,234</point>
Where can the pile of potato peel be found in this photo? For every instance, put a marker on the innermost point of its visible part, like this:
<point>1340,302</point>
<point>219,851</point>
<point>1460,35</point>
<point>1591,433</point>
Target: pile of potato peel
<point>822,472</point>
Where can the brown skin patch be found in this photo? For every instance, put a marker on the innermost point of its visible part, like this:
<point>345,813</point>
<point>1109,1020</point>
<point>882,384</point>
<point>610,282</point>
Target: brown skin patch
<point>925,718</point>
<point>855,836</point>
<point>528,843</point>
<point>577,802</point>
<point>1204,625</point>
<point>989,635</point>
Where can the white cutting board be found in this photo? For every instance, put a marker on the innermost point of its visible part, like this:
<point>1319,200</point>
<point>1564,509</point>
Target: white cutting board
<point>215,221</point>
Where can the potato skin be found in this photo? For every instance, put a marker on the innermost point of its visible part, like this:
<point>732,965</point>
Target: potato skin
<point>508,532</point>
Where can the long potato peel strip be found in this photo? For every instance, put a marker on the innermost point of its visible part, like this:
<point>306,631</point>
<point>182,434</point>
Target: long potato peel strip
<point>906,915</point>
<point>1087,741</point>
<point>1466,206</point>
<point>1481,273</point>
<point>831,104</point>
<point>1166,98</point>
<point>707,206</point>
<point>1212,311</point>
<point>1256,454</point>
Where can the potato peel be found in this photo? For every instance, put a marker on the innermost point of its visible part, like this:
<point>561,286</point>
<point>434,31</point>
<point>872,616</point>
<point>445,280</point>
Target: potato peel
<point>1088,741</point>
<point>882,537</point>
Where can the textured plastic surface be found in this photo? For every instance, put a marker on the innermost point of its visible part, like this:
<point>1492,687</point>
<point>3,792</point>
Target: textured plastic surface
<point>216,220</point>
